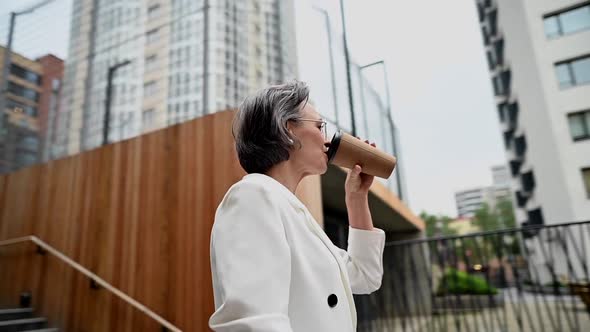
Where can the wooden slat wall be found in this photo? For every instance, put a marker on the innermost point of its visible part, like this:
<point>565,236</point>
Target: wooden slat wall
<point>138,214</point>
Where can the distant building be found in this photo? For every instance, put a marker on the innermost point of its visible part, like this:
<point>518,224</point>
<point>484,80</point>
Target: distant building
<point>463,226</point>
<point>30,101</point>
<point>186,59</point>
<point>470,200</point>
<point>501,175</point>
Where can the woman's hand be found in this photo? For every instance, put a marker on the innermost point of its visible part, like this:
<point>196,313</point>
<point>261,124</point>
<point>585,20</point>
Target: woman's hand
<point>358,183</point>
<point>357,198</point>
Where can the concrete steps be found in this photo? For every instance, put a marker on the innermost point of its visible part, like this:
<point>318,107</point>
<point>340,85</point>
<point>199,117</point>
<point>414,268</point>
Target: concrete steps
<point>22,320</point>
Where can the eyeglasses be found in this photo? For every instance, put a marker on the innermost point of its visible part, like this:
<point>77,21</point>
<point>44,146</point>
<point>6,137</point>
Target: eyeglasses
<point>322,126</point>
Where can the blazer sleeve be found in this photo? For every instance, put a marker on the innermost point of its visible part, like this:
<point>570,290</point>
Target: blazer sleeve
<point>251,264</point>
<point>364,259</point>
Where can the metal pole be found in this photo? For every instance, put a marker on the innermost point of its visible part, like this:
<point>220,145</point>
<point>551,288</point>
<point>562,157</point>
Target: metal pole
<point>391,123</point>
<point>5,70</point>
<point>205,56</point>
<point>398,172</point>
<point>332,69</point>
<point>347,61</point>
<point>107,102</point>
<point>51,117</point>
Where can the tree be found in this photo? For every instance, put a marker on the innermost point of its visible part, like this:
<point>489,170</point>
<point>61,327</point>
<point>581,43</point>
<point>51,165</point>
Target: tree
<point>500,217</point>
<point>437,225</point>
<point>505,212</point>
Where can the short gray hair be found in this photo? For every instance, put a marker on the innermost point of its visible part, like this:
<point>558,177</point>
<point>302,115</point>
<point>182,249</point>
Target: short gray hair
<point>260,125</point>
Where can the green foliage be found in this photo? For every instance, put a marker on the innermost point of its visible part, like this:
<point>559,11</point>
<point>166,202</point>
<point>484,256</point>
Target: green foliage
<point>434,222</point>
<point>459,282</point>
<point>500,217</point>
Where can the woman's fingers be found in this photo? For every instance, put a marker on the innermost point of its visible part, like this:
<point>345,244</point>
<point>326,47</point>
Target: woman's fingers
<point>367,141</point>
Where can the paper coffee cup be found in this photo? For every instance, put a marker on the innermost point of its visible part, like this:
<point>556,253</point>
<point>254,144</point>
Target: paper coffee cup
<point>346,151</point>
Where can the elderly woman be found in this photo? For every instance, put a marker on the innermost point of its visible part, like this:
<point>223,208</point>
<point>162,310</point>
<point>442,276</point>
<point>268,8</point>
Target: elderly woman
<point>273,267</point>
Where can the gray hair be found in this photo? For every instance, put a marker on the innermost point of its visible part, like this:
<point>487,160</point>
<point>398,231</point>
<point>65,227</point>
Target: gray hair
<point>260,125</point>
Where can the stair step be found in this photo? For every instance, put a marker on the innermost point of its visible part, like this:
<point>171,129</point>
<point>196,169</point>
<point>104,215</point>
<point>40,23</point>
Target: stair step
<point>15,313</point>
<point>20,324</point>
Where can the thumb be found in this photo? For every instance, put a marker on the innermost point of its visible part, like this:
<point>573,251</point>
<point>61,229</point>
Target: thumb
<point>357,170</point>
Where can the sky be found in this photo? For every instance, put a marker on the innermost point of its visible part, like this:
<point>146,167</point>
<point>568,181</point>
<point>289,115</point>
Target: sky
<point>441,93</point>
<point>440,88</point>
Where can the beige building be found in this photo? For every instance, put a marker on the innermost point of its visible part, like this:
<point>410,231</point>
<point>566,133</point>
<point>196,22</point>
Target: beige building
<point>463,226</point>
<point>470,200</point>
<point>32,91</point>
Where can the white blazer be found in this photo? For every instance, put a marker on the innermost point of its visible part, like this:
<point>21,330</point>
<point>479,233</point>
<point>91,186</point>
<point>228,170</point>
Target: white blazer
<point>275,269</point>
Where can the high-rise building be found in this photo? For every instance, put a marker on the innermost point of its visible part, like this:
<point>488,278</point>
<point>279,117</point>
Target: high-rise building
<point>163,50</point>
<point>30,102</point>
<point>538,53</point>
<point>470,200</point>
<point>175,60</point>
<point>501,175</point>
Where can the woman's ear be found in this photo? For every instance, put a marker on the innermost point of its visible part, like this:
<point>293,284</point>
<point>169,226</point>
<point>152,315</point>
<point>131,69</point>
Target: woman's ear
<point>289,125</point>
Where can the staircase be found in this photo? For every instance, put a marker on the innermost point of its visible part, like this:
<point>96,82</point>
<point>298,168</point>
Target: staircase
<point>22,319</point>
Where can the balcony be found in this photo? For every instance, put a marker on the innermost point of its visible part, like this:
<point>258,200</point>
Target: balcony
<point>505,78</point>
<point>520,146</point>
<point>515,167</point>
<point>521,199</point>
<point>480,12</point>
<point>501,83</point>
<point>527,181</point>
<point>509,115</point>
<point>498,48</point>
<point>485,35</point>
<point>493,22</point>
<point>502,111</point>
<point>491,60</point>
<point>535,217</point>
<point>508,138</point>
<point>513,114</point>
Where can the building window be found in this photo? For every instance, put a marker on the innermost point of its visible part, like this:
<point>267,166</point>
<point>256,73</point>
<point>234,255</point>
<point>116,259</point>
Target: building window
<point>579,125</point>
<point>150,62</point>
<point>55,84</point>
<point>153,11</point>
<point>570,21</point>
<point>148,118</point>
<point>152,36</point>
<point>25,159</point>
<point>149,88</point>
<point>21,91</point>
<point>18,107</point>
<point>586,176</point>
<point>573,72</point>
<point>25,74</point>
<point>30,143</point>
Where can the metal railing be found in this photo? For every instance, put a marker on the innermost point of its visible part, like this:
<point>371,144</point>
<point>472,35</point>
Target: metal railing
<point>96,279</point>
<point>524,279</point>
